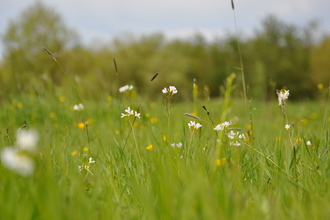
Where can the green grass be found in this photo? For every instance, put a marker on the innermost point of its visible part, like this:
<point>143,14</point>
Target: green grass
<point>260,180</point>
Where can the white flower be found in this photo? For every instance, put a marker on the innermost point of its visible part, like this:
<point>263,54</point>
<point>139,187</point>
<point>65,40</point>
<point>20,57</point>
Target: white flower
<point>91,160</point>
<point>193,124</point>
<point>179,145</point>
<point>308,143</point>
<point>129,113</point>
<point>231,134</point>
<point>222,126</point>
<point>171,90</point>
<point>125,88</point>
<point>287,126</point>
<point>27,140</point>
<point>78,107</point>
<point>17,161</point>
<point>136,114</point>
<point>283,95</point>
<point>236,143</point>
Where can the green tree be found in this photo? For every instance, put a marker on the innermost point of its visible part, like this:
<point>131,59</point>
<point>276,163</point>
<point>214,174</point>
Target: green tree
<point>37,26</point>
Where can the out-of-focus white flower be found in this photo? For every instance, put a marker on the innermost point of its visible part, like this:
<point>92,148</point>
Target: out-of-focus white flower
<point>236,143</point>
<point>287,126</point>
<point>179,145</point>
<point>17,161</point>
<point>125,88</point>
<point>78,107</point>
<point>222,126</point>
<point>90,160</point>
<point>282,95</point>
<point>308,143</point>
<point>194,125</point>
<point>231,134</point>
<point>27,140</point>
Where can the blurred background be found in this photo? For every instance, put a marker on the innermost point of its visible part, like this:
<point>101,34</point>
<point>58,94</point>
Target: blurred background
<point>283,44</point>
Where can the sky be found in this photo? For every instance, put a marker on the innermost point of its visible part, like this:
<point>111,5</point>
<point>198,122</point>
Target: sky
<point>102,20</point>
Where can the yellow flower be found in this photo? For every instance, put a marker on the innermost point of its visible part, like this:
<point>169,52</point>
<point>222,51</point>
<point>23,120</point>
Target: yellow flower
<point>221,162</point>
<point>74,153</point>
<point>81,125</point>
<point>52,115</point>
<point>153,120</point>
<point>320,86</point>
<point>86,149</point>
<point>304,121</point>
<point>313,115</point>
<point>164,138</point>
<point>152,105</point>
<point>117,132</point>
<point>150,147</point>
<point>298,140</point>
<point>62,99</point>
<point>110,98</point>
<point>278,139</point>
<point>20,105</point>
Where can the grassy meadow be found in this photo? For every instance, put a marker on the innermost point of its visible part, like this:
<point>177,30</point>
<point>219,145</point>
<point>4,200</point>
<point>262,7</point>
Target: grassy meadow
<point>101,160</point>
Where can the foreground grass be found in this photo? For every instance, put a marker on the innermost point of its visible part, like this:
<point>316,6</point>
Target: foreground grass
<point>138,175</point>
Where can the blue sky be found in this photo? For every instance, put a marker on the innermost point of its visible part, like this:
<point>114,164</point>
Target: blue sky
<point>101,20</point>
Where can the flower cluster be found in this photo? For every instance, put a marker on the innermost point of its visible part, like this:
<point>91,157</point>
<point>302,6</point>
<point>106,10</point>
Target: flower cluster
<point>19,158</point>
<point>282,95</point>
<point>78,107</point>
<point>171,90</point>
<point>125,88</point>
<point>168,99</point>
<point>129,113</point>
<point>194,125</point>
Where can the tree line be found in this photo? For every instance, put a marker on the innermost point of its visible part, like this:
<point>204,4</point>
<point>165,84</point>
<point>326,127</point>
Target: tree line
<point>278,55</point>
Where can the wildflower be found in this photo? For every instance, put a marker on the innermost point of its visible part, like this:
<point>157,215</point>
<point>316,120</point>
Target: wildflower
<point>62,99</point>
<point>17,161</point>
<point>150,147</point>
<point>231,134</point>
<point>287,126</point>
<point>236,143</point>
<point>74,153</point>
<point>194,125</point>
<point>129,113</point>
<point>153,120</point>
<point>125,88</point>
<point>27,140</point>
<point>222,126</point>
<point>309,143</point>
<point>221,162</point>
<point>178,145</point>
<point>171,90</point>
<point>81,125</point>
<point>283,95</point>
<point>90,160</point>
<point>313,115</point>
<point>78,107</point>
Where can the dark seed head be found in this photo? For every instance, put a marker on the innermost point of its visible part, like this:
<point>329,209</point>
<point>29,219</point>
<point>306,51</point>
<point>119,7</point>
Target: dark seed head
<point>154,76</point>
